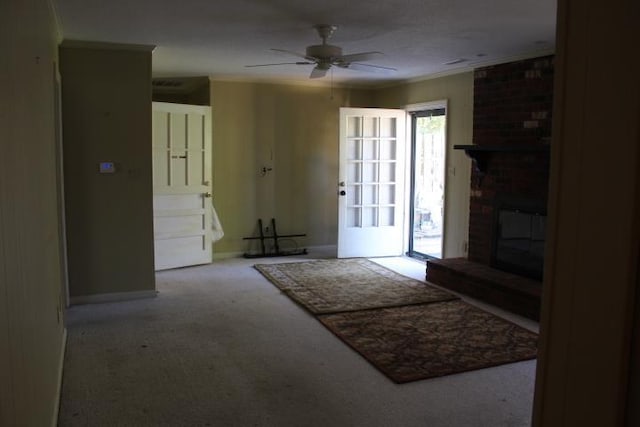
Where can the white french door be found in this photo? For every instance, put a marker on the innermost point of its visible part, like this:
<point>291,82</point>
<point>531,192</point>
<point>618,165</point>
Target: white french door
<point>371,182</point>
<point>181,185</point>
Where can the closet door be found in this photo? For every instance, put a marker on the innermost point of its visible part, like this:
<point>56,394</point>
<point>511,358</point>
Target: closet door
<point>182,205</point>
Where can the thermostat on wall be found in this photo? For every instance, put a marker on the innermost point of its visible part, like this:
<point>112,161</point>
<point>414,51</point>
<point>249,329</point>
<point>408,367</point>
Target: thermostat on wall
<point>107,167</point>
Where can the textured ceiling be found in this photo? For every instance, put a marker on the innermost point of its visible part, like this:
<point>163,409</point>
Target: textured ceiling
<point>218,38</point>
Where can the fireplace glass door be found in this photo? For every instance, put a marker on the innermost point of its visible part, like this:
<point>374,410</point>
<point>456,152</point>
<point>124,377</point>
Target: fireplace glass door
<point>520,239</point>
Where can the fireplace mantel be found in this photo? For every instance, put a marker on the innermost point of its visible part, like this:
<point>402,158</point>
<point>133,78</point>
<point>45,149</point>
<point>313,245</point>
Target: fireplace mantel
<point>480,153</point>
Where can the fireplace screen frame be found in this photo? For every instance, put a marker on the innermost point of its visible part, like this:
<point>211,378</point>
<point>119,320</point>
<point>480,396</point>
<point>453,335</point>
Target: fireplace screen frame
<point>519,251</point>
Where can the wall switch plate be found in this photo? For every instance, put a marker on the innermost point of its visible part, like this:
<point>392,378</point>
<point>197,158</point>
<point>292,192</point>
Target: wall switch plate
<point>107,167</point>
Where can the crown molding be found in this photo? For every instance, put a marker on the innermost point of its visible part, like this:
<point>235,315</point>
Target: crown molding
<point>85,44</point>
<point>471,66</point>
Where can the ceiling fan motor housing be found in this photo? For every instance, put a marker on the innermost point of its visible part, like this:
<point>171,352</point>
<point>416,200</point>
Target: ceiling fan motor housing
<point>324,51</point>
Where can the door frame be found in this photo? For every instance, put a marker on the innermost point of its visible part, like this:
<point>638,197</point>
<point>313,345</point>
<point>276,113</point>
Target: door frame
<point>62,215</point>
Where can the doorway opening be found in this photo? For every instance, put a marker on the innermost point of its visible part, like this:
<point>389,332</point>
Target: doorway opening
<point>428,147</point>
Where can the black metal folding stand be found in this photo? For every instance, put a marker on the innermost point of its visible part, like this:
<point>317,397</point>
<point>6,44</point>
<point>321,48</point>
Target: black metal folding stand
<point>276,246</point>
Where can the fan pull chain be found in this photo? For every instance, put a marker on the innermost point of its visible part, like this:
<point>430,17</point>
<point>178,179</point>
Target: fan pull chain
<point>331,84</point>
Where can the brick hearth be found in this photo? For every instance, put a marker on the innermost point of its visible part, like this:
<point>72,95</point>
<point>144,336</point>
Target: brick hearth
<point>509,291</point>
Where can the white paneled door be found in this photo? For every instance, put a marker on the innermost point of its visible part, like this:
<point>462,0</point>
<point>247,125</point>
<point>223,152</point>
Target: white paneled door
<point>181,185</point>
<point>371,182</point>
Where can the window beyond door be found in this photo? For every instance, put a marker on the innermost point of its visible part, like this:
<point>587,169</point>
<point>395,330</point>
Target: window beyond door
<point>428,140</point>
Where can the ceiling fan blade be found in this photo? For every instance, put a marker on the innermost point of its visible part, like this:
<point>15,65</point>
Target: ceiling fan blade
<point>357,57</point>
<point>280,63</point>
<point>370,68</point>
<point>318,72</point>
<point>290,52</point>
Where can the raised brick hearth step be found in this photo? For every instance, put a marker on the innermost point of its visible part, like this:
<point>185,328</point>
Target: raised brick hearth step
<point>513,293</point>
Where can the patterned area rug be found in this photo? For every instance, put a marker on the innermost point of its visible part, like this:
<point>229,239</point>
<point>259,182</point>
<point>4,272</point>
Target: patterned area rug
<point>429,340</point>
<point>339,285</point>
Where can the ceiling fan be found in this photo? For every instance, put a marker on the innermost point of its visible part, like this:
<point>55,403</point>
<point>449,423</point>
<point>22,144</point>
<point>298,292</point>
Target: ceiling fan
<point>324,56</point>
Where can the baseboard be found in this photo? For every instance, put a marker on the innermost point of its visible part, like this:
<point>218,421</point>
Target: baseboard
<point>56,407</point>
<point>112,297</point>
<point>325,250</point>
<point>227,255</point>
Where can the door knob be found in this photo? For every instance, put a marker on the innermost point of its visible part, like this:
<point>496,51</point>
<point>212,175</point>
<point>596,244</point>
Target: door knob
<point>342,192</point>
<point>341,184</point>
<point>207,194</point>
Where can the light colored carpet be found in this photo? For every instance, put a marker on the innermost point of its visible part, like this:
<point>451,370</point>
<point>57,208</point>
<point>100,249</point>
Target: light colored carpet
<point>338,285</point>
<point>221,346</point>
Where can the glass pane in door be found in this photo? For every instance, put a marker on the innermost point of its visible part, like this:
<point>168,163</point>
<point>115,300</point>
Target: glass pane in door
<point>428,184</point>
<point>371,172</point>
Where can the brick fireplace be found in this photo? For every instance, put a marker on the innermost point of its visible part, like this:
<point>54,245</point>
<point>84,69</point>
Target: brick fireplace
<point>509,187</point>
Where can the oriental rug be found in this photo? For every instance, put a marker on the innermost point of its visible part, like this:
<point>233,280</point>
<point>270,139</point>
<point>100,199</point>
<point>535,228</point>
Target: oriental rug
<point>339,285</point>
<point>429,340</point>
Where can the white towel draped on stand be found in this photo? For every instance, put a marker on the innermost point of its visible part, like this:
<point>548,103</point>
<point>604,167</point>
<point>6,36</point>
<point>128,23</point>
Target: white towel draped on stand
<point>216,228</point>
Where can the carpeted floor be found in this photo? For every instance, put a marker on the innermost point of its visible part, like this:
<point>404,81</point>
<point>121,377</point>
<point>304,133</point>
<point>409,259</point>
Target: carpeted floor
<point>221,346</point>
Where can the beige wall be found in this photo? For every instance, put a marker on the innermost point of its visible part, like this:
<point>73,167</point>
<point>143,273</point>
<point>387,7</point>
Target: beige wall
<point>458,91</point>
<point>31,322</point>
<point>292,129</point>
<point>106,104</point>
